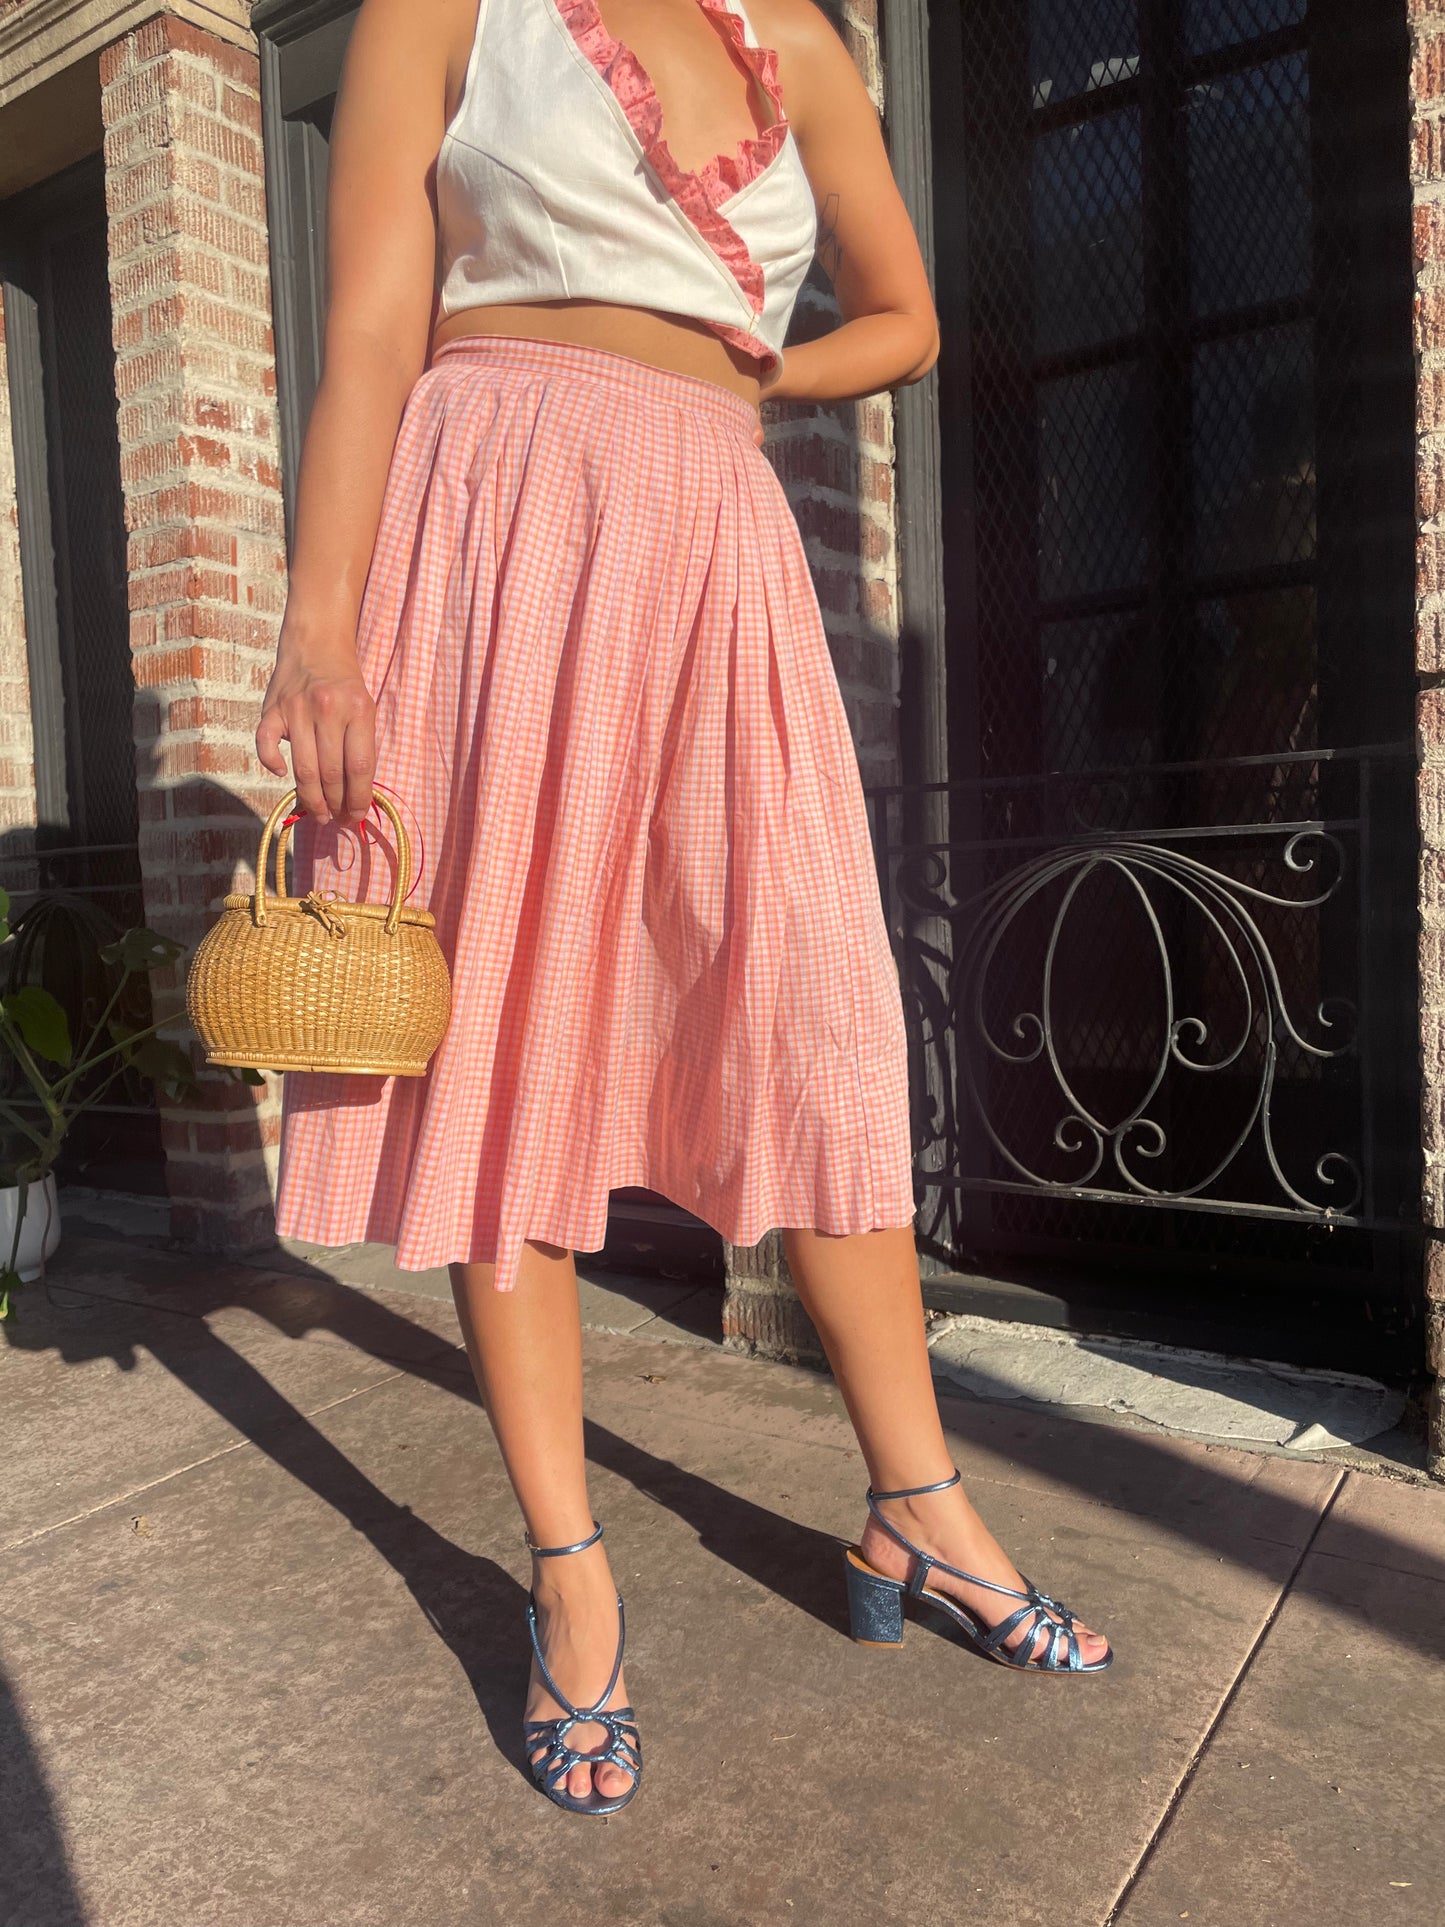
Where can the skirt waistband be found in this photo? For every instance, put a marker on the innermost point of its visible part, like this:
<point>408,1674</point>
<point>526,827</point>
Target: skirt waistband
<point>572,358</point>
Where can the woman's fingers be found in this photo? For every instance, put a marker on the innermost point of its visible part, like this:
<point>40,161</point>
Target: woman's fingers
<point>270,734</point>
<point>330,723</point>
<point>332,707</point>
<point>359,763</point>
<point>305,769</point>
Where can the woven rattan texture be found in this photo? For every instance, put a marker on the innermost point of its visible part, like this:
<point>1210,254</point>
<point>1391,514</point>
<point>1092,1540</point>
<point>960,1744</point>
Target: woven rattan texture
<point>311,983</point>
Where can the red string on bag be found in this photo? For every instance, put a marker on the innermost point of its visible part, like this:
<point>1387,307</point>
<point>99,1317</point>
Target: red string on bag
<point>363,829</point>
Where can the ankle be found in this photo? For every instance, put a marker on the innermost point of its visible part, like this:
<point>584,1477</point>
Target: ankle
<point>573,1581</point>
<point>922,1518</point>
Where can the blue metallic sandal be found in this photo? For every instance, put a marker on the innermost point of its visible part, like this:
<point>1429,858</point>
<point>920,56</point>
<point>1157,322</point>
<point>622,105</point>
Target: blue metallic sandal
<point>624,1744</point>
<point>875,1605</point>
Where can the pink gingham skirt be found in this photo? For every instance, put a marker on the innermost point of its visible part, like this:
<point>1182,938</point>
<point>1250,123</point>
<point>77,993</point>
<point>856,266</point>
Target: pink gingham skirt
<point>605,699</point>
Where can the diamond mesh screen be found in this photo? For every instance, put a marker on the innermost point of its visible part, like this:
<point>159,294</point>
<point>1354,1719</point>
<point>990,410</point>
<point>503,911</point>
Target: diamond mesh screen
<point>1165,237</point>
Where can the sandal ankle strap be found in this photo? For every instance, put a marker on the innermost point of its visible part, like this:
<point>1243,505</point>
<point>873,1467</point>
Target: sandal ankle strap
<point>556,1552</point>
<point>917,1491</point>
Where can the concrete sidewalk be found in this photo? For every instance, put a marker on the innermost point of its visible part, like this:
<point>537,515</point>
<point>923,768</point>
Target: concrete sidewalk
<point>262,1583</point>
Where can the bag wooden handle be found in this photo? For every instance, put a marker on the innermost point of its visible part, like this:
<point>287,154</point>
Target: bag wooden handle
<point>282,809</point>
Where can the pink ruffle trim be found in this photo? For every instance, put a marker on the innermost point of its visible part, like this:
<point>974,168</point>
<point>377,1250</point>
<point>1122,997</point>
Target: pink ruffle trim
<point>727,174</point>
<point>697,194</point>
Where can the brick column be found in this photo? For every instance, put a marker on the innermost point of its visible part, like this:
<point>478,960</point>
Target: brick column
<point>836,463</point>
<point>1428,174</point>
<point>196,386</point>
<point>17,750</point>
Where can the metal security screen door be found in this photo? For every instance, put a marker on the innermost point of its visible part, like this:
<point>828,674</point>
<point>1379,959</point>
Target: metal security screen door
<point>1160,967</point>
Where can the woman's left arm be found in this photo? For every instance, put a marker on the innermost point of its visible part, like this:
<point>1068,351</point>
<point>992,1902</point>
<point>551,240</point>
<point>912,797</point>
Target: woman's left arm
<point>866,245</point>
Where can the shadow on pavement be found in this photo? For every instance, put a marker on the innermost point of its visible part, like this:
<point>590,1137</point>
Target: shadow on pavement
<point>462,1596</point>
<point>794,1562</point>
<point>475,1606</point>
<point>34,1867</point>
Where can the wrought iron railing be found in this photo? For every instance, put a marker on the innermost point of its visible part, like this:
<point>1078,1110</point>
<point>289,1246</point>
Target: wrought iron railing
<point>1169,987</point>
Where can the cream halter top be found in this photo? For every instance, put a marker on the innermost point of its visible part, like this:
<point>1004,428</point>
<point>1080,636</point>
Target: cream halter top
<point>554,180</point>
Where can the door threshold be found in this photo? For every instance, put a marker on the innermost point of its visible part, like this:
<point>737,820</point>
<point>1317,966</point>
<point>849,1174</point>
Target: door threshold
<point>1314,1327</point>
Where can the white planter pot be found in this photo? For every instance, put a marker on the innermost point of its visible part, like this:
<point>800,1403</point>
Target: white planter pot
<point>40,1231</point>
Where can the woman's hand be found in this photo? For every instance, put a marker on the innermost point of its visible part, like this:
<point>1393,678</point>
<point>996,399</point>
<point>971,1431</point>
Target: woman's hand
<point>321,706</point>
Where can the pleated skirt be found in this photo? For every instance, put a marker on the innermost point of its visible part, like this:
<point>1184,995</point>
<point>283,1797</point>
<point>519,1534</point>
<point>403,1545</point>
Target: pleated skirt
<point>606,704</point>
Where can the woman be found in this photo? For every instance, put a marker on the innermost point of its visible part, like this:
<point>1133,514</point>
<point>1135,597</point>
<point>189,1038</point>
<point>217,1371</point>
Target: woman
<point>546,587</point>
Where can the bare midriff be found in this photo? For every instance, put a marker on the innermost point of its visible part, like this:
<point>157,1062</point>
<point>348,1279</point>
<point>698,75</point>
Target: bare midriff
<point>646,334</point>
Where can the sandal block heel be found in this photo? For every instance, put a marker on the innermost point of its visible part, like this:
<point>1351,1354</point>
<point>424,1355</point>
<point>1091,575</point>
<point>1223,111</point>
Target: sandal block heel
<point>875,1604</point>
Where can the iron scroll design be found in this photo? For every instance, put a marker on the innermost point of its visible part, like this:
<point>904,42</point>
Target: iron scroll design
<point>1221,989</point>
<point>1223,902</point>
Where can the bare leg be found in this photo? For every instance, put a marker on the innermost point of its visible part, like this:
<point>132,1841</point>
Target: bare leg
<point>864,1296</point>
<point>525,1348</point>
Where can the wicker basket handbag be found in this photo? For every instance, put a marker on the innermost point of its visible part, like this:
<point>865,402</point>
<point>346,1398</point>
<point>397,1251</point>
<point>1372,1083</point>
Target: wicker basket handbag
<point>315,983</point>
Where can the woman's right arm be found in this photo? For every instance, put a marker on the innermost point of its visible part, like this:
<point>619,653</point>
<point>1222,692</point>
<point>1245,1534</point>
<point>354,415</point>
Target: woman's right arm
<point>381,252</point>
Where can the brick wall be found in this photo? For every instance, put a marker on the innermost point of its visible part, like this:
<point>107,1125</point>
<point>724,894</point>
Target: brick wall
<point>17,755</point>
<point>195,380</point>
<point>835,461</point>
<point>1428,174</point>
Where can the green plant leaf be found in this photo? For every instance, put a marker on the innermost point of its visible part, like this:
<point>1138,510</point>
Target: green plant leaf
<point>142,949</point>
<point>165,1064</point>
<point>10,1280</point>
<point>41,1021</point>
